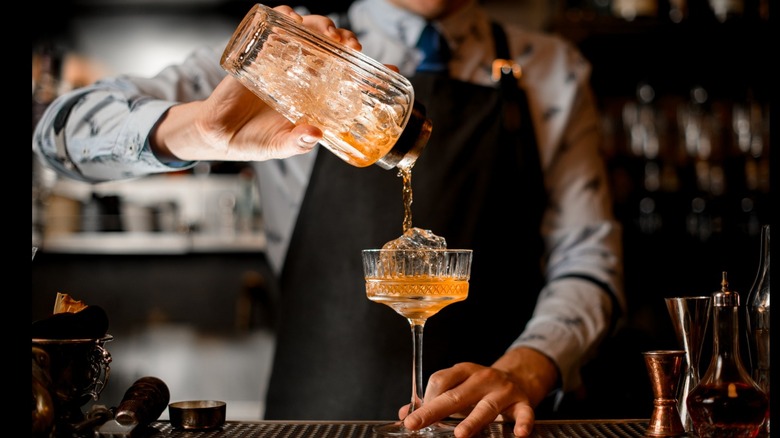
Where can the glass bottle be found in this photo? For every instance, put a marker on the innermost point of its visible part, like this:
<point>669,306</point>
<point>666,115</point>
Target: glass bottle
<point>366,111</point>
<point>757,317</point>
<point>727,402</point>
<point>727,9</point>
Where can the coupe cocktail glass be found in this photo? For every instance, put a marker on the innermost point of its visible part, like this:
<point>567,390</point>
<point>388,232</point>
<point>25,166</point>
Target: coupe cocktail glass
<point>416,283</point>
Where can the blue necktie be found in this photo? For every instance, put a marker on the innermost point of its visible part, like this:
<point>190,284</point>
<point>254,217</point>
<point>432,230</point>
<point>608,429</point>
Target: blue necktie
<point>435,51</point>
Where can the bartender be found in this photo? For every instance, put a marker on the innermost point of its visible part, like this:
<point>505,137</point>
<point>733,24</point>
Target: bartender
<point>512,170</point>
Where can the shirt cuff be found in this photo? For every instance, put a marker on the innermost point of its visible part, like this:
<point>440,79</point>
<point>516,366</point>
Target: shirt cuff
<point>150,116</point>
<point>556,342</point>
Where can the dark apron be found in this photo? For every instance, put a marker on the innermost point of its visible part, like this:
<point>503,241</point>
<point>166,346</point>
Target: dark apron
<point>478,183</point>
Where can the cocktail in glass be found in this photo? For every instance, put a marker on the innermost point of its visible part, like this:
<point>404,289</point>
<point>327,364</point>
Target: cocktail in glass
<point>417,284</point>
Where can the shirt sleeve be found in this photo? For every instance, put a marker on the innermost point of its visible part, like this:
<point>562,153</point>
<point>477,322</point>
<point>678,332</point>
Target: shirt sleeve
<point>99,132</point>
<point>583,301</point>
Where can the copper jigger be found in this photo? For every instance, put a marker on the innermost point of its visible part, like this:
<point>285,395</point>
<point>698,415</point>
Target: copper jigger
<point>665,369</point>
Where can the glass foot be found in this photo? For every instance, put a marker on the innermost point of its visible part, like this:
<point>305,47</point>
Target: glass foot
<point>398,429</point>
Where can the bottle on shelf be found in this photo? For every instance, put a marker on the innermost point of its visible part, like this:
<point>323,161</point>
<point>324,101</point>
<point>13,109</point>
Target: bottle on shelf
<point>699,132</point>
<point>643,125</point>
<point>749,160</point>
<point>678,10</point>
<point>629,10</point>
<point>727,9</point>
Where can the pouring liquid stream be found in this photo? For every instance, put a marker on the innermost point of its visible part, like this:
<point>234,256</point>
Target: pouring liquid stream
<point>406,175</point>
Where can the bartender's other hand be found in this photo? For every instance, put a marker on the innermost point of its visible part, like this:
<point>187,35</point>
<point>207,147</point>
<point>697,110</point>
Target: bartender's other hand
<point>508,390</point>
<point>233,124</point>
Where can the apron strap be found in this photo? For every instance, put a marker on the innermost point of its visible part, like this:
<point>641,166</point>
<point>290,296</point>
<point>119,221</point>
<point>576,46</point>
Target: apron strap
<point>507,73</point>
<point>517,113</point>
<point>504,70</point>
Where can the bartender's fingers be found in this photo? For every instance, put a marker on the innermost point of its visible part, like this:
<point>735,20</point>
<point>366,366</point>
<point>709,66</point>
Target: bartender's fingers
<point>304,137</point>
<point>260,141</point>
<point>233,124</point>
<point>326,26</point>
<point>289,11</point>
<point>524,417</point>
<point>483,393</point>
<point>446,394</point>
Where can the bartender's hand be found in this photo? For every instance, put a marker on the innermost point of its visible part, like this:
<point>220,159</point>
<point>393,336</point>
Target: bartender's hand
<point>508,390</point>
<point>233,124</point>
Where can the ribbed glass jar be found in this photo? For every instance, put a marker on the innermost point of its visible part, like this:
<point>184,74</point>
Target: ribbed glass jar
<point>366,111</point>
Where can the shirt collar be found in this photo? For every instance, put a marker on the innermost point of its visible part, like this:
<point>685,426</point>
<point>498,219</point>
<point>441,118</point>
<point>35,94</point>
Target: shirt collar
<point>407,26</point>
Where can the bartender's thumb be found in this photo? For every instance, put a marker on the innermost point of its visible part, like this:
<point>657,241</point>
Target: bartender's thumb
<point>306,136</point>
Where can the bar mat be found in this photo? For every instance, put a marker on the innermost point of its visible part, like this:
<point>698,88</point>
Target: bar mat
<point>542,429</point>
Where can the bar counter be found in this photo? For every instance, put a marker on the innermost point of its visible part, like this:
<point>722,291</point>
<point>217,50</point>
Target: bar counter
<point>363,429</point>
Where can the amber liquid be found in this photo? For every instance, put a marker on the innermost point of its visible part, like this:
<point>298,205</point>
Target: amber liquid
<point>730,410</point>
<point>415,297</point>
<point>418,297</point>
<point>406,175</point>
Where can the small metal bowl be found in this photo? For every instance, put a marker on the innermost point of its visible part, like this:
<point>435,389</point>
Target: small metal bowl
<point>197,414</point>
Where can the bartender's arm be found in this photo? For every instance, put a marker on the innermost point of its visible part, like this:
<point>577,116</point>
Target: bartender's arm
<point>127,127</point>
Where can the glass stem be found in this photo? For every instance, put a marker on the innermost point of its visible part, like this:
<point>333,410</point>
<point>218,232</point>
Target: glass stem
<point>417,354</point>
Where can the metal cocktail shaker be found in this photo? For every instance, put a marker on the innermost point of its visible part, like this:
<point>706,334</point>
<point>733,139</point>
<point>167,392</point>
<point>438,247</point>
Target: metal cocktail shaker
<point>366,111</point>
<point>690,317</point>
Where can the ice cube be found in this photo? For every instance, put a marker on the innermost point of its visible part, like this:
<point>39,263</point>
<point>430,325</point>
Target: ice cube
<point>417,238</point>
<point>420,256</point>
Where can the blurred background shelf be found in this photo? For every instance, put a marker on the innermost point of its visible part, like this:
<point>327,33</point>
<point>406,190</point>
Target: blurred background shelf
<point>151,243</point>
